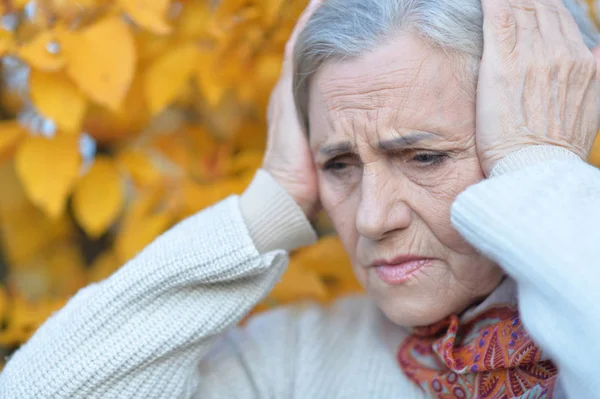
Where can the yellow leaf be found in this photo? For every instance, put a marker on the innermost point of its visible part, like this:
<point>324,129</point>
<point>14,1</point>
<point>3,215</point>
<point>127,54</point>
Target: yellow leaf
<point>207,79</point>
<point>139,166</point>
<point>43,52</point>
<point>7,41</point>
<point>150,46</point>
<point>25,229</point>
<point>25,316</point>
<point>102,267</point>
<point>594,157</point>
<point>196,197</point>
<point>193,20</point>
<point>138,233</point>
<point>149,14</point>
<point>48,169</point>
<point>98,197</point>
<point>66,269</point>
<point>56,271</point>
<point>328,259</point>
<point>107,126</point>
<point>270,9</point>
<point>3,303</point>
<point>56,98</point>
<point>245,162</point>
<point>11,133</point>
<point>102,61</point>
<point>168,74</point>
<point>299,284</point>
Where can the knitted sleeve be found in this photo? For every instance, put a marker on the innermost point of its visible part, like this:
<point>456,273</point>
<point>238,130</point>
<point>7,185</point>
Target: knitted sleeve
<point>538,217</point>
<point>142,332</point>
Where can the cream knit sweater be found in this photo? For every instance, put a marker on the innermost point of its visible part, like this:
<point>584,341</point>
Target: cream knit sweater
<point>163,326</point>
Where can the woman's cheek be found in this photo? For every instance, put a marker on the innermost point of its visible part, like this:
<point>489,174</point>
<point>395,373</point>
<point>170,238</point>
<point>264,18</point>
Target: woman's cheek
<point>341,205</point>
<point>441,196</point>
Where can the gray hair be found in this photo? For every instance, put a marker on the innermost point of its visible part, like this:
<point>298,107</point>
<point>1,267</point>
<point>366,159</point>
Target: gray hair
<point>340,29</point>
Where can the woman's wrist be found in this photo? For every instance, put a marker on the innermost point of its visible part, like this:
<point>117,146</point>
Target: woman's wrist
<point>531,155</point>
<point>273,218</point>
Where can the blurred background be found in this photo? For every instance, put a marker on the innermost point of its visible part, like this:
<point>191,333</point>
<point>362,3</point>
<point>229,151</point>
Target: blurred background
<point>119,118</point>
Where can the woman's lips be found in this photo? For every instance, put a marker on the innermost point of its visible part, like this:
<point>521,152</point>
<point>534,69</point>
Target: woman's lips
<point>399,270</point>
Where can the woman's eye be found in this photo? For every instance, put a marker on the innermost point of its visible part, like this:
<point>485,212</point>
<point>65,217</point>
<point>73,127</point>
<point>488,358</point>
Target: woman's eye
<point>335,165</point>
<point>340,164</point>
<point>430,158</point>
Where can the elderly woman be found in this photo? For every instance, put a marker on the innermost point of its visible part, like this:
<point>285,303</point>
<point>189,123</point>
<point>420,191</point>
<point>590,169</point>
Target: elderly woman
<point>414,129</point>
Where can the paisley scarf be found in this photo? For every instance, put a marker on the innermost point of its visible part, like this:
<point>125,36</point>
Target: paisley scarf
<point>486,353</point>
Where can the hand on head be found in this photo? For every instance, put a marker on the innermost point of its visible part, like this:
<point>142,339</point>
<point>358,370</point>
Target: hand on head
<point>537,86</point>
<point>288,158</point>
<point>537,81</point>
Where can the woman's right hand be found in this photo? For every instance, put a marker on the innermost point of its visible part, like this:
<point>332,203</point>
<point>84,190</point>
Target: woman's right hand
<point>288,157</point>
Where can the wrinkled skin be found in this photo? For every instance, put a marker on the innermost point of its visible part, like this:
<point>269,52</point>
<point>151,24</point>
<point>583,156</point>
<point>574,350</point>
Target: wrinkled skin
<point>394,138</point>
<point>389,198</point>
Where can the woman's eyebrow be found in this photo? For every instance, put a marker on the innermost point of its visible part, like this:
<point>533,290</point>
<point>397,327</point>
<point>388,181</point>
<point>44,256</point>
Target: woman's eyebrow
<point>402,142</point>
<point>335,149</point>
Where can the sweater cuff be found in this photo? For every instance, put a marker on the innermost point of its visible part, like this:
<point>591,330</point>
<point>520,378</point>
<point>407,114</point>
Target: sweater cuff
<point>273,218</point>
<point>530,156</point>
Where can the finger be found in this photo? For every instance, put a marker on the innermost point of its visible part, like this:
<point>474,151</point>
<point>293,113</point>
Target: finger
<point>527,25</point>
<point>569,27</point>
<point>498,24</point>
<point>548,15</point>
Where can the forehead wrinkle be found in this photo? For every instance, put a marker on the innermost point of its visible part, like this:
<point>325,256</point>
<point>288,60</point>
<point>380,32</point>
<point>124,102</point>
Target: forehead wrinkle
<point>368,93</point>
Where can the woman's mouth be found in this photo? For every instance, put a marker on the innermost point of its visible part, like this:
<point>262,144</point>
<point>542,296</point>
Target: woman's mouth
<point>400,269</point>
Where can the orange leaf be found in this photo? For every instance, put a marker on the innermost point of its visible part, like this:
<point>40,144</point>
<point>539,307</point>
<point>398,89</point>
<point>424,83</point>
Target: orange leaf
<point>48,169</point>
<point>98,197</point>
<point>168,74</point>
<point>56,98</point>
<point>149,14</point>
<point>11,133</point>
<point>102,61</point>
<point>43,52</point>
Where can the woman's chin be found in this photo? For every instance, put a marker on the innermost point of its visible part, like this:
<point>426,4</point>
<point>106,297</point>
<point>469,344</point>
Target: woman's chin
<point>414,302</point>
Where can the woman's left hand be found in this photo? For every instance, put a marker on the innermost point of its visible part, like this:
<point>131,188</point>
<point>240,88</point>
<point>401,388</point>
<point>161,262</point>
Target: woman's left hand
<point>537,83</point>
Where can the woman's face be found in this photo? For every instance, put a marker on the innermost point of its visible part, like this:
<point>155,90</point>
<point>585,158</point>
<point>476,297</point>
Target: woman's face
<point>393,137</point>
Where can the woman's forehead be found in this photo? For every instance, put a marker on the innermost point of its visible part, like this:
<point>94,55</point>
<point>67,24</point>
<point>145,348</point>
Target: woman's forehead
<point>403,85</point>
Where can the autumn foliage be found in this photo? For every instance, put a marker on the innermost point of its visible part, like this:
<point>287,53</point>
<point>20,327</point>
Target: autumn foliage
<point>119,119</point>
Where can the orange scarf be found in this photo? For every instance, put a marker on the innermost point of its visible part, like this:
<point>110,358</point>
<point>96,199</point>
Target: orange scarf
<point>491,356</point>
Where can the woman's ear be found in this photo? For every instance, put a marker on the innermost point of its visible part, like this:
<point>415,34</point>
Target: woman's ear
<point>596,52</point>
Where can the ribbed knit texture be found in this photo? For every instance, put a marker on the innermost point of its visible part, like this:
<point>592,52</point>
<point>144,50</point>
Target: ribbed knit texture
<point>273,218</point>
<point>163,326</point>
<point>540,224</point>
<point>530,156</point>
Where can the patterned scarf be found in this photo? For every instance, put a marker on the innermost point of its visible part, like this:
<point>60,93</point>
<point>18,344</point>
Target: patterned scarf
<point>488,356</point>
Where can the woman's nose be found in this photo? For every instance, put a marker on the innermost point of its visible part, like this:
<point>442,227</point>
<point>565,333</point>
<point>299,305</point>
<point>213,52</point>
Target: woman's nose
<point>382,208</point>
